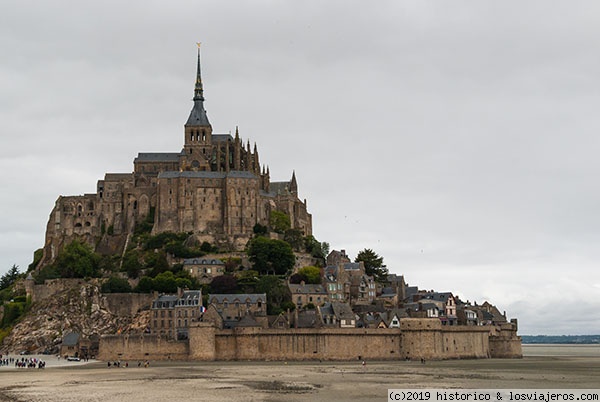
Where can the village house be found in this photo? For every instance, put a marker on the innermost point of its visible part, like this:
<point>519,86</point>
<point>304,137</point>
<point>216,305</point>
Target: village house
<point>233,307</point>
<point>171,315</point>
<point>304,294</point>
<point>337,315</point>
<point>205,269</point>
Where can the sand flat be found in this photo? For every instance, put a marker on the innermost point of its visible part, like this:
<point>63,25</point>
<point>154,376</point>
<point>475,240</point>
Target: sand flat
<point>296,381</point>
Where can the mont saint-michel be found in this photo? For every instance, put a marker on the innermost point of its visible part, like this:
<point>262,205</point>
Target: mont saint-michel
<point>198,255</point>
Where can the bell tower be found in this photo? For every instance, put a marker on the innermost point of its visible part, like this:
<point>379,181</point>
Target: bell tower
<point>197,146</point>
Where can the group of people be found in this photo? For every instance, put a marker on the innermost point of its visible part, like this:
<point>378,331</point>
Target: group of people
<point>119,364</point>
<point>23,362</point>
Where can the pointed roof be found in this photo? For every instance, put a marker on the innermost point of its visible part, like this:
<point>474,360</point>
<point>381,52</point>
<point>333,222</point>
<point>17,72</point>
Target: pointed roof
<point>293,183</point>
<point>198,114</point>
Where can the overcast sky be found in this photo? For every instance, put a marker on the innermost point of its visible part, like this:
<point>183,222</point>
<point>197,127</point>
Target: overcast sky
<point>459,140</point>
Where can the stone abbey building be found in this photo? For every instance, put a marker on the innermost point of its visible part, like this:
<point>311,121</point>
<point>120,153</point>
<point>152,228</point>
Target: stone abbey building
<point>215,187</point>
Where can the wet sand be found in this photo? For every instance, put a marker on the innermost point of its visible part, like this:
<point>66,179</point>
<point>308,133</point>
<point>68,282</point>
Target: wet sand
<point>542,367</point>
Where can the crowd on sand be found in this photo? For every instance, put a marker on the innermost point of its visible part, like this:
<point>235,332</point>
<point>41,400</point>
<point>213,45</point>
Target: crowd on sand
<point>23,362</point>
<point>126,364</point>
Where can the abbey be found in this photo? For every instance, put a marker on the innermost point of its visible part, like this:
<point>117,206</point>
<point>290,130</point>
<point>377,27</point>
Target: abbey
<point>214,187</point>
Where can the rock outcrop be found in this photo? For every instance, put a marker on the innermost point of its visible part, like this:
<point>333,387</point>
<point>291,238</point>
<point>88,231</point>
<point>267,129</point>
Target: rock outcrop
<point>78,308</point>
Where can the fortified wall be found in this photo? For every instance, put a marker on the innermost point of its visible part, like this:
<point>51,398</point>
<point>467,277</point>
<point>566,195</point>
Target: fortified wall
<point>417,338</point>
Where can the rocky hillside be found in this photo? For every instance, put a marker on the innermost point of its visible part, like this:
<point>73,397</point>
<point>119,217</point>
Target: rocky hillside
<point>80,308</point>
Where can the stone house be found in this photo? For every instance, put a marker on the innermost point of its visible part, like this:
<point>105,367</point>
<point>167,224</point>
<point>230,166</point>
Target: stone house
<point>171,315</point>
<point>70,345</point>
<point>304,294</point>
<point>205,269</point>
<point>232,307</point>
<point>337,315</point>
<point>347,281</point>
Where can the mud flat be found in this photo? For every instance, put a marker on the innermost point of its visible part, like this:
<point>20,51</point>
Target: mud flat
<point>542,367</point>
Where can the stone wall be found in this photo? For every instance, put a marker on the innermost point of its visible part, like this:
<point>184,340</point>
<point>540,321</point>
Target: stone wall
<point>127,304</point>
<point>417,338</point>
<point>142,347</point>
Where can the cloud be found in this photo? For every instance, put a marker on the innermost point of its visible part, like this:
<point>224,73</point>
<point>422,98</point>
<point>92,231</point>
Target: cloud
<point>458,141</point>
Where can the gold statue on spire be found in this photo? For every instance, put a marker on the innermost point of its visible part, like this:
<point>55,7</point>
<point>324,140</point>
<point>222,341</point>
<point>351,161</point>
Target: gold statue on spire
<point>198,43</point>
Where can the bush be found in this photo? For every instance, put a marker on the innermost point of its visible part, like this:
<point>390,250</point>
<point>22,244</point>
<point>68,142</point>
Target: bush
<point>116,285</point>
<point>77,260</point>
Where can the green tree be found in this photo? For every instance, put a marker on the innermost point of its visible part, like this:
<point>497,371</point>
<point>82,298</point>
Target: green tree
<point>131,263</point>
<point>10,277</point>
<point>279,221</point>
<point>77,260</point>
<point>312,274</point>
<point>145,285</point>
<point>295,238</point>
<point>115,284</point>
<point>277,293</point>
<point>316,248</point>
<point>271,256</point>
<point>223,284</point>
<point>373,264</point>
<point>260,230</point>
<point>165,282</point>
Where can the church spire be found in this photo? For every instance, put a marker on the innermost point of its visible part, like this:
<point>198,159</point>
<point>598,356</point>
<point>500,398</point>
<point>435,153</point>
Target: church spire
<point>198,114</point>
<point>198,90</point>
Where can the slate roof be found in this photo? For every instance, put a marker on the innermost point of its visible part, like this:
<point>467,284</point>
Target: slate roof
<point>247,321</point>
<point>342,311</point>
<point>306,289</point>
<point>242,298</point>
<point>70,339</point>
<point>198,115</point>
<point>190,298</point>
<point>352,266</point>
<point>117,176</point>
<point>206,175</point>
<point>307,319</point>
<point>221,137</point>
<point>165,301</point>
<point>279,187</point>
<point>157,157</point>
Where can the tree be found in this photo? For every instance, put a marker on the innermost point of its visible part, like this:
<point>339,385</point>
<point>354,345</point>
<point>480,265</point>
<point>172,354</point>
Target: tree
<point>77,260</point>
<point>373,264</point>
<point>315,248</point>
<point>294,238</point>
<point>223,284</point>
<point>165,282</point>
<point>116,284</point>
<point>279,221</point>
<point>312,274</point>
<point>297,278</point>
<point>271,256</point>
<point>277,293</point>
<point>145,285</point>
<point>260,230</point>
<point>10,277</point>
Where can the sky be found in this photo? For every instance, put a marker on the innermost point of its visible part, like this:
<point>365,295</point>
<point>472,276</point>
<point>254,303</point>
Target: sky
<point>458,140</point>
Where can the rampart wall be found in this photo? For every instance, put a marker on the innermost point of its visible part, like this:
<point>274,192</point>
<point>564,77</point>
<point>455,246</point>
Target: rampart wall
<point>141,347</point>
<point>417,338</point>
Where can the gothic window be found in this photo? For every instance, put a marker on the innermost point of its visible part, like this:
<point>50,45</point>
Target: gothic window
<point>203,136</point>
<point>192,136</point>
